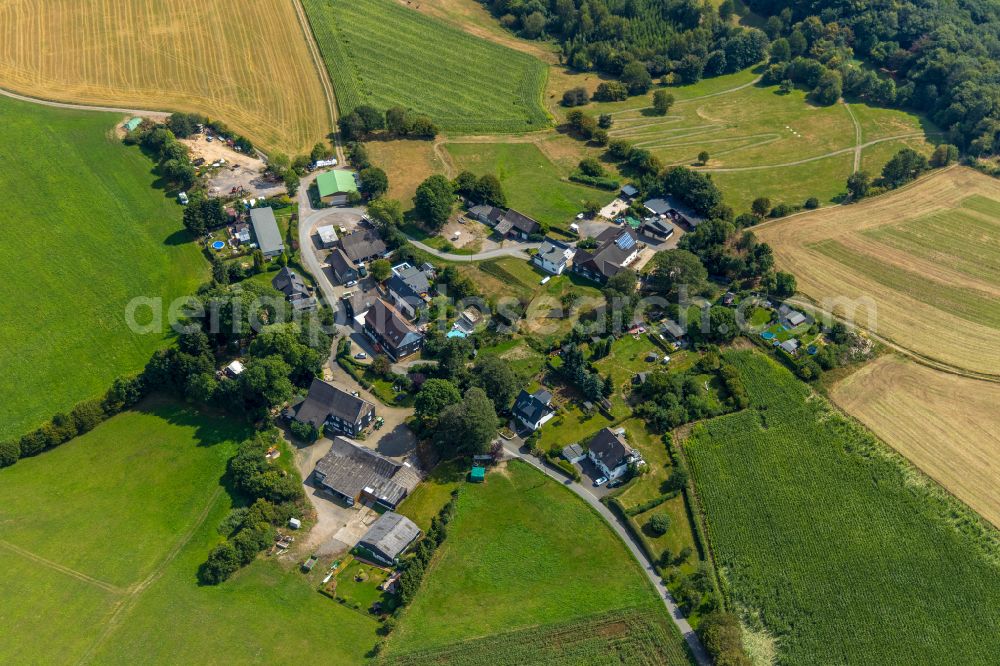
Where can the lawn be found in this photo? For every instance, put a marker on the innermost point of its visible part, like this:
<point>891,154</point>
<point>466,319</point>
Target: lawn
<point>847,554</point>
<point>571,426</point>
<point>198,56</point>
<point>519,355</point>
<point>534,184</point>
<point>382,53</point>
<point>515,559</point>
<point>102,540</point>
<point>92,234</point>
<point>427,500</point>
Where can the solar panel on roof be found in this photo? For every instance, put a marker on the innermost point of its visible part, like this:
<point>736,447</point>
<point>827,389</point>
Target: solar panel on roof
<point>625,242</point>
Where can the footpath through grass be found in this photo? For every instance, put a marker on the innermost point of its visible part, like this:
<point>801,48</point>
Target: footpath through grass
<point>120,519</point>
<point>847,554</point>
<point>523,552</point>
<point>88,232</point>
<point>383,53</point>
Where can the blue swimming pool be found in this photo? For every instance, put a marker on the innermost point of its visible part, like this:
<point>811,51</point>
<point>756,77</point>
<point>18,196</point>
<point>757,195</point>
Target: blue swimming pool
<point>767,335</point>
<point>455,333</point>
<point>218,245</point>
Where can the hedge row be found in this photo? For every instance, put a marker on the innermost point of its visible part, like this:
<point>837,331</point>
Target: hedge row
<point>601,182</point>
<point>124,393</point>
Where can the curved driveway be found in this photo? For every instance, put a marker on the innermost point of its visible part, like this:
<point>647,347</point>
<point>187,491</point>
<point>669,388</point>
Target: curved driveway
<point>694,643</point>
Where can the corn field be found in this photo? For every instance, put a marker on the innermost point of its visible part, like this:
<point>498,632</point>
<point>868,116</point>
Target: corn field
<point>848,554</point>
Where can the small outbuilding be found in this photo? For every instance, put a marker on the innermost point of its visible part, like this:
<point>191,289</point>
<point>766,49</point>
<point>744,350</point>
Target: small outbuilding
<point>388,538</point>
<point>327,236</point>
<point>477,475</point>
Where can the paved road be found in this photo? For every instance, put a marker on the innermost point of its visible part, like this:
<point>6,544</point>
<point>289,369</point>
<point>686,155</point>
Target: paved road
<point>700,654</point>
<point>158,115</point>
<point>520,251</point>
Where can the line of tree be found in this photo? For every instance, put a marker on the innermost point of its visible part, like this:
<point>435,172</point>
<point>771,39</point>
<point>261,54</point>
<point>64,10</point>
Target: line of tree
<point>365,121</point>
<point>904,167</point>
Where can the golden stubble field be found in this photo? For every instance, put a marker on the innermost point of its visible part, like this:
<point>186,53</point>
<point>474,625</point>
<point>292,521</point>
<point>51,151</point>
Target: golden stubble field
<point>246,63</point>
<point>947,425</point>
<point>919,266</point>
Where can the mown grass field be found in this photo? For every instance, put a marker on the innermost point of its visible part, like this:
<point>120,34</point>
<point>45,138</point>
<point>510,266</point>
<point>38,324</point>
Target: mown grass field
<point>533,183</point>
<point>917,266</point>
<point>524,553</point>
<point>248,66</point>
<point>101,542</point>
<point>947,425</point>
<point>760,142</point>
<point>848,554</point>
<point>90,233</point>
<point>382,53</point>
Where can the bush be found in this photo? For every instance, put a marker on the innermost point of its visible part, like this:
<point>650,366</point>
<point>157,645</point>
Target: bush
<point>601,182</point>
<point>221,564</point>
<point>812,203</point>
<point>10,451</point>
<point>304,432</point>
<point>659,524</point>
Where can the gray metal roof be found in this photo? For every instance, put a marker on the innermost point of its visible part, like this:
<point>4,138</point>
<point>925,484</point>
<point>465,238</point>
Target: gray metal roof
<point>265,228</point>
<point>325,400</point>
<point>390,535</point>
<point>348,469</point>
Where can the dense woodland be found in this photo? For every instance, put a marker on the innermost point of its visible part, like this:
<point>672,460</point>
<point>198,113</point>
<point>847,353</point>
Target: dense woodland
<point>935,57</point>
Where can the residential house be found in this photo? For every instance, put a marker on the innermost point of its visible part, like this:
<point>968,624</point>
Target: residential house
<point>265,229</point>
<point>658,206</point>
<point>388,538</point>
<point>553,256</point>
<point>674,211</point>
<point>327,236</point>
<point>327,405</point>
<point>657,229</point>
<point>341,266</point>
<point>611,454</point>
<point>533,409</point>
<point>355,474</point>
<point>391,332</point>
<point>363,245</point>
<point>488,215</point>
<point>616,249</point>
<point>790,346</point>
<point>357,304</point>
<point>295,290</point>
<point>790,317</point>
<point>334,186</point>
<point>409,289</point>
<point>241,232</point>
<point>515,225</point>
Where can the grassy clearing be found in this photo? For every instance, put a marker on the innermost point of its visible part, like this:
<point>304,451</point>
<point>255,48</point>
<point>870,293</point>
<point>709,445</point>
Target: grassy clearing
<point>882,258</point>
<point>92,235</point>
<point>515,559</point>
<point>631,637</point>
<point>380,52</point>
<point>121,518</point>
<point>533,183</point>
<point>947,425</point>
<point>407,163</point>
<point>848,555</point>
<point>824,179</point>
<point>196,56</point>
<point>427,500</point>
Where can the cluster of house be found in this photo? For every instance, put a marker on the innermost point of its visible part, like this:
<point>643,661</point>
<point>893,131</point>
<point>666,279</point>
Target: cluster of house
<point>790,318</point>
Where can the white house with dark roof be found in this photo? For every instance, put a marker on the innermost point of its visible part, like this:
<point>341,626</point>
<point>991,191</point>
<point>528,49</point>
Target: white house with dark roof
<point>533,410</point>
<point>391,331</point>
<point>553,256</point>
<point>610,453</point>
<point>616,249</point>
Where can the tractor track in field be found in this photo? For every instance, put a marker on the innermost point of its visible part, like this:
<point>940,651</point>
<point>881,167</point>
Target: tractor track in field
<point>134,592</point>
<point>72,573</point>
<point>324,77</point>
<point>160,115</point>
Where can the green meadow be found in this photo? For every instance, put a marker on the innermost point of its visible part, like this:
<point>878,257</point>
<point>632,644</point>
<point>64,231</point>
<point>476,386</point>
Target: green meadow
<point>87,232</point>
<point>101,542</point>
<point>522,552</point>
<point>382,53</point>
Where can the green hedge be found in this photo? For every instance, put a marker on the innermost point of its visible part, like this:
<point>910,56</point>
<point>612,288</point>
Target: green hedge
<point>601,182</point>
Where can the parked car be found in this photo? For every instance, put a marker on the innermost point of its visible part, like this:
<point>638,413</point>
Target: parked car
<point>351,283</point>
<point>361,356</point>
<point>601,481</point>
<point>615,484</point>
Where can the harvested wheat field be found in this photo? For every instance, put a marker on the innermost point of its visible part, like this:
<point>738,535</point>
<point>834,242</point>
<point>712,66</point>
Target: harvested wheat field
<point>245,63</point>
<point>919,266</point>
<point>947,425</point>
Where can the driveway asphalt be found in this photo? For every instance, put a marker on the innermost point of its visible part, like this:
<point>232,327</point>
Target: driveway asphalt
<point>520,251</point>
<point>697,649</point>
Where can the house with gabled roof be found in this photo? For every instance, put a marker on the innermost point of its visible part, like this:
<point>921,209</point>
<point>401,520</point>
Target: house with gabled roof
<point>391,331</point>
<point>363,245</point>
<point>408,288</point>
<point>553,256</point>
<point>516,225</point>
<point>533,410</point>
<point>356,474</point>
<point>388,538</point>
<point>610,453</point>
<point>328,405</point>
<point>616,249</point>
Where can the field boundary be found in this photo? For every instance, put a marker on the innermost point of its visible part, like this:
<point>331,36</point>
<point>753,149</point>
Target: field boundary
<point>161,115</point>
<point>324,76</point>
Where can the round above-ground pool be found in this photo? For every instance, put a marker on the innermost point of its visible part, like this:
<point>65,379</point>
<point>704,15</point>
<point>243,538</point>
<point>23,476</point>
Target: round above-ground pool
<point>812,349</point>
<point>767,335</point>
<point>218,245</point>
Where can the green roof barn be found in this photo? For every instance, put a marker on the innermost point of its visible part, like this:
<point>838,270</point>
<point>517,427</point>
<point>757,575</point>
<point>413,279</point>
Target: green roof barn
<point>334,185</point>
